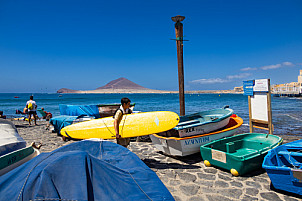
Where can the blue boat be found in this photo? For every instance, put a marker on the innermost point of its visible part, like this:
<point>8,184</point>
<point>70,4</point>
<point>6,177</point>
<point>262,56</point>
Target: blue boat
<point>85,170</point>
<point>284,167</point>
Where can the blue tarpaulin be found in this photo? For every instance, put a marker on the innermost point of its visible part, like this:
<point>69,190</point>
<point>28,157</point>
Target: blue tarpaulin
<point>77,110</point>
<point>61,121</point>
<point>85,170</point>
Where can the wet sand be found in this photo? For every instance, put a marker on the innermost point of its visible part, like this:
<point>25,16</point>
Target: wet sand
<point>187,178</point>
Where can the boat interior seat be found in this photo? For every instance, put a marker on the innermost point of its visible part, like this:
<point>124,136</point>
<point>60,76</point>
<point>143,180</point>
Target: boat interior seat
<point>188,122</point>
<point>245,152</point>
<point>290,153</point>
<point>293,159</point>
<point>230,147</point>
<point>194,117</point>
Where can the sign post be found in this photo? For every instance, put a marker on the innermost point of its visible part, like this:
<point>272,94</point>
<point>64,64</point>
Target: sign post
<point>259,100</point>
<point>179,43</point>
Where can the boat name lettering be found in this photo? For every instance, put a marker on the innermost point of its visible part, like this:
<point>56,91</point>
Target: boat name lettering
<point>12,160</point>
<point>197,141</point>
<point>188,130</point>
<point>200,130</point>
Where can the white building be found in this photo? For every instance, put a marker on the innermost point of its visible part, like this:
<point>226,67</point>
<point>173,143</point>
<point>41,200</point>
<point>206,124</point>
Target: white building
<point>289,89</point>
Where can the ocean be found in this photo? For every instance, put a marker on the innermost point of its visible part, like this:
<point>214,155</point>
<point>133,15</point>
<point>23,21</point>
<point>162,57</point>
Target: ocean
<point>286,111</point>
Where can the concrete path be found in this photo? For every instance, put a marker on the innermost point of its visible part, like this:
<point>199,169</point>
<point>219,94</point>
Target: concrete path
<point>187,178</point>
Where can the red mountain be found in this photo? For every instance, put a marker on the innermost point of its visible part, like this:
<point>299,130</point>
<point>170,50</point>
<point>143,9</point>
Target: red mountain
<point>122,83</point>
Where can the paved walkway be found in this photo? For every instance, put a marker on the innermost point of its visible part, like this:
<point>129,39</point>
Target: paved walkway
<point>187,178</point>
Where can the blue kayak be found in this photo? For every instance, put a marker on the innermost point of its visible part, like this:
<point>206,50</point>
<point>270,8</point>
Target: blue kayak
<point>284,167</point>
<point>85,170</point>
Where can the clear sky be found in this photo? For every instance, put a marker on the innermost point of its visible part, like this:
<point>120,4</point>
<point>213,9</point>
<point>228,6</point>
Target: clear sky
<point>46,45</point>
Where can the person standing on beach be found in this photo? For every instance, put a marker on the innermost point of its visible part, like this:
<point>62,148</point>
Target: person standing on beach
<point>118,115</point>
<point>31,108</point>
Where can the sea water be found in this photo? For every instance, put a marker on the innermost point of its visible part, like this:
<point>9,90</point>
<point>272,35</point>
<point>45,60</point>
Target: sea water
<point>286,112</point>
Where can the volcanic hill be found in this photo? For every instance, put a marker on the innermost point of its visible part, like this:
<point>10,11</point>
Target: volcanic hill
<point>120,85</point>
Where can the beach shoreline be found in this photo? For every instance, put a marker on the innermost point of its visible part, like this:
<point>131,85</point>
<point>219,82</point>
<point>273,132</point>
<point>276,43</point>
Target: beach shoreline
<point>187,178</point>
<point>134,91</point>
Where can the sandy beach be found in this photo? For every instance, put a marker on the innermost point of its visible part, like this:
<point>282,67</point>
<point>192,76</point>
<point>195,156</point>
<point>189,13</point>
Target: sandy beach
<point>147,91</point>
<point>187,178</point>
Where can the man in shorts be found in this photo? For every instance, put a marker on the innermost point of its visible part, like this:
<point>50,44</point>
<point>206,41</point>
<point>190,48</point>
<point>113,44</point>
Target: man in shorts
<point>31,108</point>
<point>118,115</point>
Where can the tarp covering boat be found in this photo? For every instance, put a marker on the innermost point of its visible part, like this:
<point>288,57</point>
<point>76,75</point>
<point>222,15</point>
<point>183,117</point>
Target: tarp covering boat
<point>61,121</point>
<point>85,170</point>
<point>77,110</point>
<point>10,140</point>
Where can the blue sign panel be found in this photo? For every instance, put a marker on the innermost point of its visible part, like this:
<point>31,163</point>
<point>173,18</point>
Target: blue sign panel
<point>248,87</point>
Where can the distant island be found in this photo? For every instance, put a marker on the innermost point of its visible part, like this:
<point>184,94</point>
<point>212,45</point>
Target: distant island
<point>123,85</point>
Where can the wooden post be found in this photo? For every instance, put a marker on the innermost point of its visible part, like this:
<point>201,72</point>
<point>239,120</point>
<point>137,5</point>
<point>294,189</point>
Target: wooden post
<point>250,115</point>
<point>179,44</point>
<point>269,108</point>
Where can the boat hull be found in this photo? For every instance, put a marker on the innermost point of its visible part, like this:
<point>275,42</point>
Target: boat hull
<point>10,139</point>
<point>107,110</point>
<point>206,128</point>
<point>284,167</point>
<point>201,123</point>
<point>16,158</point>
<point>241,154</point>
<point>191,145</point>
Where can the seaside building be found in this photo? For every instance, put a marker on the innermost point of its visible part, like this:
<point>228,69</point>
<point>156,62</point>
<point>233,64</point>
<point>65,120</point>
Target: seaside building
<point>288,89</point>
<point>238,89</point>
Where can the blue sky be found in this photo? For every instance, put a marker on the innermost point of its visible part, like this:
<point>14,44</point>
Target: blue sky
<point>48,45</point>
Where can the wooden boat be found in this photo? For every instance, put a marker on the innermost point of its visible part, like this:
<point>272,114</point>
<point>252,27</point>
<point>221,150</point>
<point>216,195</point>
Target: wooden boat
<point>200,123</point>
<point>284,167</point>
<point>107,110</point>
<point>241,153</point>
<point>177,146</point>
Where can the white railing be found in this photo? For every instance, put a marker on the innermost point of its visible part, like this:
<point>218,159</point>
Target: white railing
<point>287,90</point>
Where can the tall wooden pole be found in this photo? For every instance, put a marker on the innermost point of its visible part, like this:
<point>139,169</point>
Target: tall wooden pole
<point>179,43</point>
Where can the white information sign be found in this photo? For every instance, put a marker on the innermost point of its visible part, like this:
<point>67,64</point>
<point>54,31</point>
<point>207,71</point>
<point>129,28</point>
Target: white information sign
<point>261,85</point>
<point>259,106</point>
<point>218,155</point>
